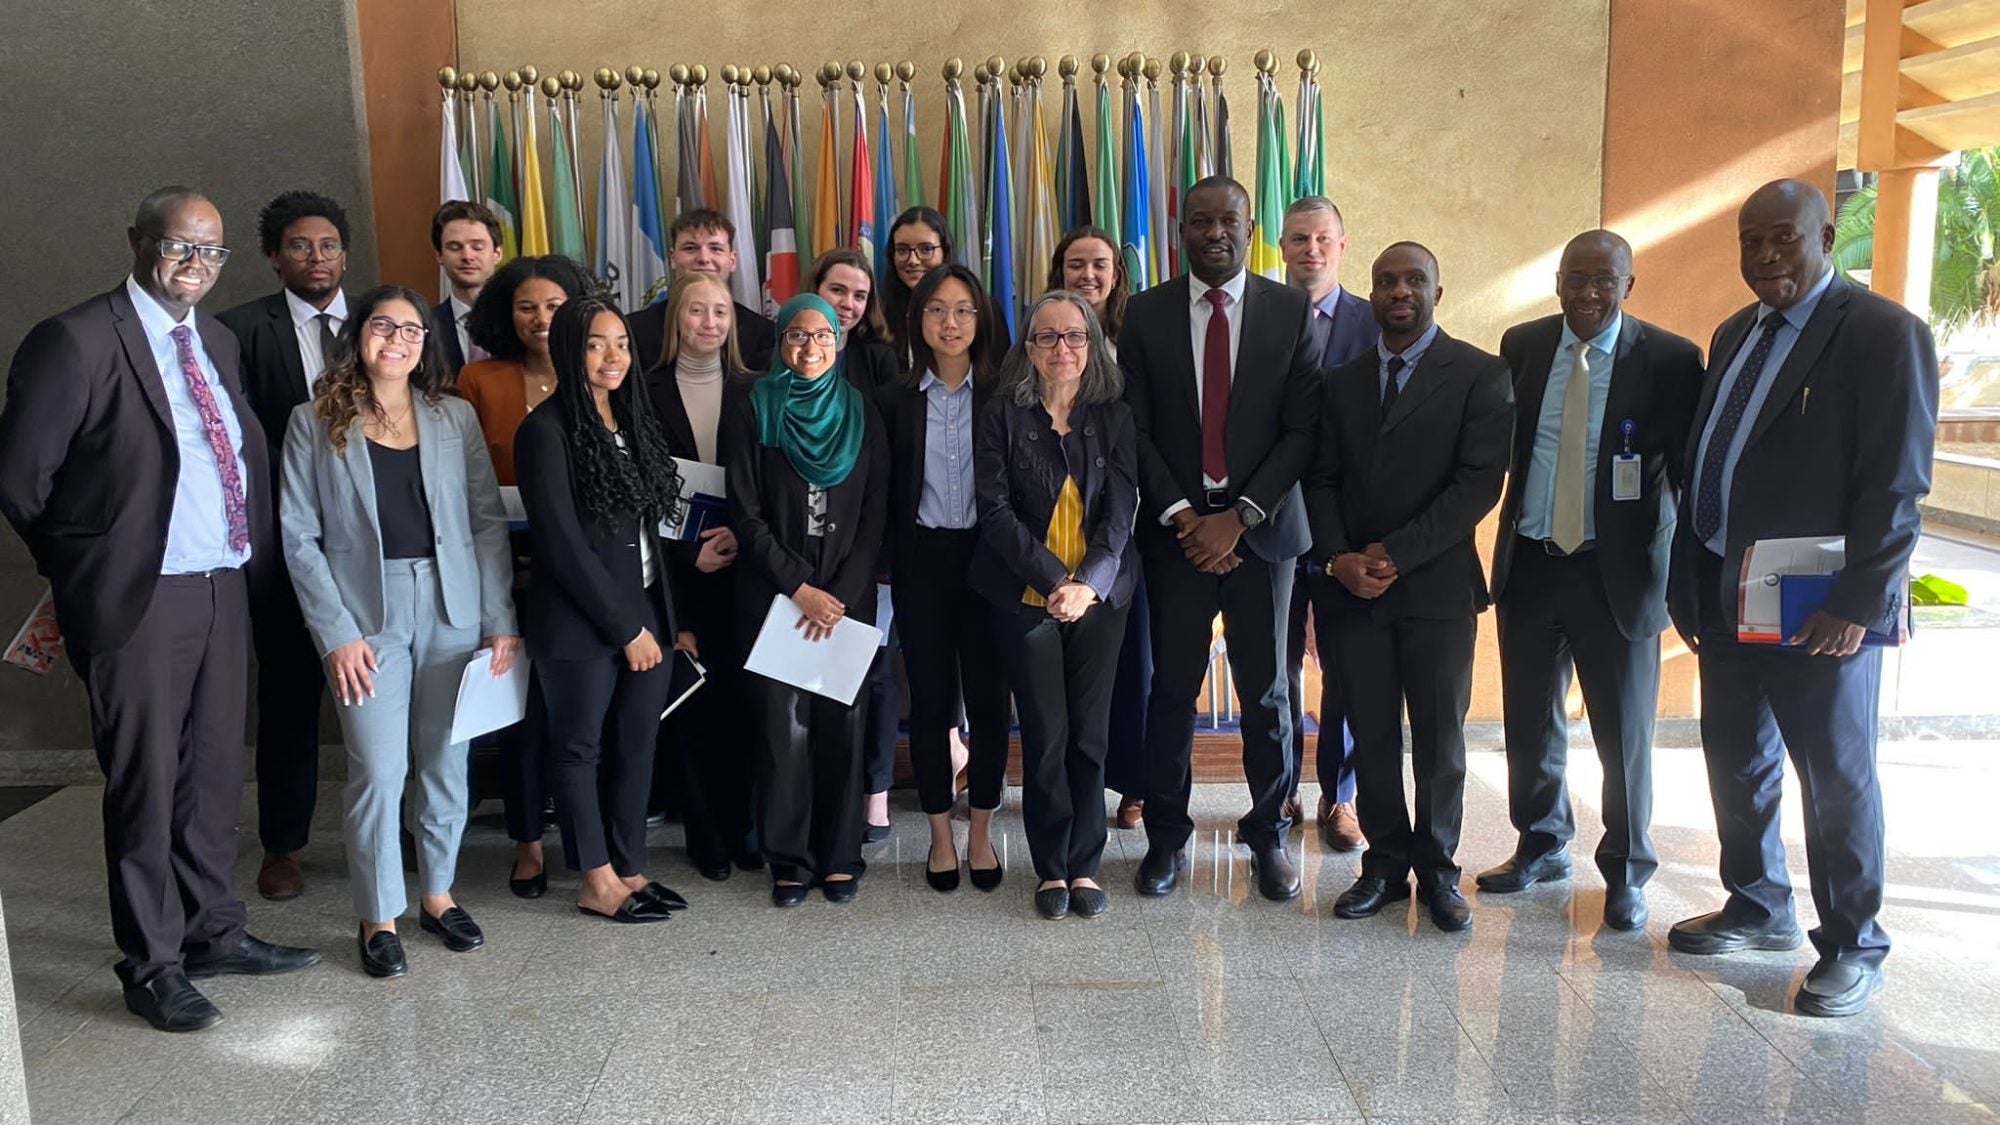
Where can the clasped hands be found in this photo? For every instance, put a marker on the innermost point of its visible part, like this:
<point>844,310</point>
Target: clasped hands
<point>1209,541</point>
<point>1070,600</point>
<point>1366,573</point>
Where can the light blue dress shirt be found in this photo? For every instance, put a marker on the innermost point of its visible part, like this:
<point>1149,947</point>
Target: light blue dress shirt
<point>1795,319</point>
<point>1412,355</point>
<point>1538,493</point>
<point>946,499</point>
<point>198,531</point>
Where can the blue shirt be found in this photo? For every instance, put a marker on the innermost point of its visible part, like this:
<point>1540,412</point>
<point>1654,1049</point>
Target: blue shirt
<point>1411,356</point>
<point>198,530</point>
<point>945,500</point>
<point>1538,493</point>
<point>1793,323</point>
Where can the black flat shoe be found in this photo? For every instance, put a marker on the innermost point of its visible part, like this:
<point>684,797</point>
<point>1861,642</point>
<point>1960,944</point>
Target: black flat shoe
<point>714,873</point>
<point>455,926</point>
<point>987,878</point>
<point>1717,933</point>
<point>943,882</point>
<point>876,833</point>
<point>841,890</point>
<point>749,861</point>
<point>1052,903</point>
<point>1368,896</point>
<point>254,958</point>
<point>663,894</point>
<point>1088,902</point>
<point>637,909</point>
<point>534,886</point>
<point>783,896</point>
<point>1160,871</point>
<point>1447,907</point>
<point>170,1003</point>
<point>381,954</point>
<point>1521,872</point>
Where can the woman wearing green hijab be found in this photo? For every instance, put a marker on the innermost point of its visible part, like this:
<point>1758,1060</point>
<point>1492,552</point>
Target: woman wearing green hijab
<point>808,472</point>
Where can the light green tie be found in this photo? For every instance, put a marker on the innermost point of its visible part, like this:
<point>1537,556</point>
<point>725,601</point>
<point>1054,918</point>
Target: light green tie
<point>1572,471</point>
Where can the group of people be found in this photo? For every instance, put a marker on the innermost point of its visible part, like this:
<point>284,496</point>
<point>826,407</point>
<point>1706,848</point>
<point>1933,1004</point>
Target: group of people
<point>1057,520</point>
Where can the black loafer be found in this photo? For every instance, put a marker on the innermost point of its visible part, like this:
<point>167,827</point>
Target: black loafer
<point>170,1003</point>
<point>1837,988</point>
<point>1368,896</point>
<point>664,895</point>
<point>460,933</point>
<point>1159,871</point>
<point>534,886</point>
<point>1521,872</point>
<point>1448,909</point>
<point>1277,875</point>
<point>382,954</point>
<point>1624,907</point>
<point>637,909</point>
<point>714,873</point>
<point>1052,903</point>
<point>876,833</point>
<point>1716,933</point>
<point>840,890</point>
<point>1088,902</point>
<point>748,861</point>
<point>253,958</point>
<point>783,896</point>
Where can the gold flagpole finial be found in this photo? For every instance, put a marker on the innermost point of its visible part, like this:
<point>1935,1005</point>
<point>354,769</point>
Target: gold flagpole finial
<point>1265,62</point>
<point>652,79</point>
<point>1217,65</point>
<point>698,74</point>
<point>489,81</point>
<point>883,73</point>
<point>1099,63</point>
<point>448,77</point>
<point>608,80</point>
<point>906,70</point>
<point>761,75</point>
<point>530,75</point>
<point>954,68</point>
<point>552,87</point>
<point>1067,66</point>
<point>1154,68</point>
<point>856,71</point>
<point>513,81</point>
<point>729,74</point>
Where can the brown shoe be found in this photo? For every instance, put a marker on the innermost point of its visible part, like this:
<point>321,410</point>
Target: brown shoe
<point>280,878</point>
<point>1339,828</point>
<point>1293,810</point>
<point>1131,810</point>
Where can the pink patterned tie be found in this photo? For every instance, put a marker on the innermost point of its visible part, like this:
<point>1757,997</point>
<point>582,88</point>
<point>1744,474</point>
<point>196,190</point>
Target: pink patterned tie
<point>218,441</point>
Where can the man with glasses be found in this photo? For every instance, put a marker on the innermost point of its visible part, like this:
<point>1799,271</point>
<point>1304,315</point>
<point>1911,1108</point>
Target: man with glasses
<point>1580,564</point>
<point>288,339</point>
<point>702,241</point>
<point>129,467</point>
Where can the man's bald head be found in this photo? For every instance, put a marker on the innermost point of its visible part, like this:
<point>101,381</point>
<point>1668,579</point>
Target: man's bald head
<point>1784,232</point>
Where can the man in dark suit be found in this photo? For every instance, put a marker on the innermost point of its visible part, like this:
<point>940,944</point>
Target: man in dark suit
<point>1603,404</point>
<point>702,241</point>
<point>1768,458</point>
<point>1219,372</point>
<point>288,338</point>
<point>129,467</point>
<point>1412,455</point>
<point>466,237</point>
<point>1313,242</point>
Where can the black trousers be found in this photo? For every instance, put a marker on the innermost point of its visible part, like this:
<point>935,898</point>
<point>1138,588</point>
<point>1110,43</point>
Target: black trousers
<point>949,654</point>
<point>166,718</point>
<point>1125,761</point>
<point>525,765</point>
<point>1253,600</point>
<point>1334,761</point>
<point>809,812</point>
<point>1428,665</point>
<point>1759,702</point>
<point>882,707</point>
<point>706,740</point>
<point>1063,676</point>
<point>603,721</point>
<point>291,681</point>
<point>1554,616</point>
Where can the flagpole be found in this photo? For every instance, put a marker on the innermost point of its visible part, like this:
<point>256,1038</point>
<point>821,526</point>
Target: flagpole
<point>468,131</point>
<point>913,161</point>
<point>1225,160</point>
<point>1156,175</point>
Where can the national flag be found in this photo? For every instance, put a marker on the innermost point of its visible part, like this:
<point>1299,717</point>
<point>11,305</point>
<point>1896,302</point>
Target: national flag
<point>826,190</point>
<point>1156,181</point>
<point>998,236</point>
<point>1225,161</point>
<point>745,282</point>
<point>1105,213</point>
<point>648,235</point>
<point>1271,183</point>
<point>468,144</point>
<point>1039,231</point>
<point>781,261</point>
<point>534,214</point>
<point>1312,145</point>
<point>451,168</point>
<point>1187,167</point>
<point>1137,233</point>
<point>500,194</point>
<point>913,161</point>
<point>687,164</point>
<point>959,198</point>
<point>705,150</point>
<point>862,219</point>
<point>795,174</point>
<point>1072,162</point>
<point>565,208</point>
<point>613,262</point>
<point>886,204</point>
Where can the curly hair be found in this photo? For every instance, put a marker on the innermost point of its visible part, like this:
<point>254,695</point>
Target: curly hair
<point>679,297</point>
<point>344,389</point>
<point>987,341</point>
<point>896,295</point>
<point>292,206</point>
<point>1121,286</point>
<point>491,321</point>
<point>611,485</point>
<point>871,326</point>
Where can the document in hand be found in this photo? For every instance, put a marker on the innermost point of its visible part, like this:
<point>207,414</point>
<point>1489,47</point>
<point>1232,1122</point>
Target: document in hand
<point>688,678</point>
<point>833,666</point>
<point>510,502</point>
<point>703,501</point>
<point>38,644</point>
<point>1785,581</point>
<point>486,703</point>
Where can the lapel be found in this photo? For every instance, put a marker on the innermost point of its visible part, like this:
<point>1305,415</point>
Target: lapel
<point>1812,341</point>
<point>673,411</point>
<point>444,322</point>
<point>139,353</point>
<point>1727,345</point>
<point>362,473</point>
<point>287,341</point>
<point>430,426</point>
<point>1536,364</point>
<point>1092,421</point>
<point>1622,400</point>
<point>1423,382</point>
<point>1253,330</point>
<point>1179,352</point>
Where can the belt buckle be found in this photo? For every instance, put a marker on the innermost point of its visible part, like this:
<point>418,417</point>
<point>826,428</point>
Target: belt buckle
<point>1216,498</point>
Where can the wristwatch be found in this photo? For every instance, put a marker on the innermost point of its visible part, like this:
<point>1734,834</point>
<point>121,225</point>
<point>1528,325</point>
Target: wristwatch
<point>1248,513</point>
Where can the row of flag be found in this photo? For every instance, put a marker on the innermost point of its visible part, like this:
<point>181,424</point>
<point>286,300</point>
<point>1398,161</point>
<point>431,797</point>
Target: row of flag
<point>1007,187</point>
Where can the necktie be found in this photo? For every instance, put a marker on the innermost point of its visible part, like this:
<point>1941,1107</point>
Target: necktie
<point>1708,500</point>
<point>1215,388</point>
<point>327,339</point>
<point>233,509</point>
<point>1393,386</point>
<point>1321,332</point>
<point>1566,525</point>
<point>473,352</point>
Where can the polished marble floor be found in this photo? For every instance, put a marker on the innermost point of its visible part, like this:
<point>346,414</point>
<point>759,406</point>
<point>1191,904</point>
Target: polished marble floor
<point>907,1006</point>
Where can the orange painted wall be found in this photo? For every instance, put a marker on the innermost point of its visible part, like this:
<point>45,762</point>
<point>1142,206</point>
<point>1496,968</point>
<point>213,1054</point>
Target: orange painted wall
<point>403,43</point>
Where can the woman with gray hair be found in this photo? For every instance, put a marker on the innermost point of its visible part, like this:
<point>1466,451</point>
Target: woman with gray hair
<point>1056,461</point>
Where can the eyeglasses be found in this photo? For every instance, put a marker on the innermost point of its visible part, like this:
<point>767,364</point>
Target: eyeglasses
<point>921,251</point>
<point>799,337</point>
<point>1602,282</point>
<point>384,327</point>
<point>177,250</point>
<point>299,250</point>
<point>964,313</point>
<point>1075,340</point>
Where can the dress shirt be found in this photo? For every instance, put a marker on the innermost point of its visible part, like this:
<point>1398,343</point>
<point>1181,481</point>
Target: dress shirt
<point>1322,320</point>
<point>1794,323</point>
<point>305,324</point>
<point>198,528</point>
<point>459,311</point>
<point>1411,356</point>
<point>1538,493</point>
<point>946,500</point>
<point>1199,310</point>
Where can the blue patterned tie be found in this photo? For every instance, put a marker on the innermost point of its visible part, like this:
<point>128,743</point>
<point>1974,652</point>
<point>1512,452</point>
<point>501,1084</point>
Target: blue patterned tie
<point>1708,500</point>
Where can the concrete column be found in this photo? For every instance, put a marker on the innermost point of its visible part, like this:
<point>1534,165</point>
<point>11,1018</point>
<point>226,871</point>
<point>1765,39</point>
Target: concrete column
<point>13,1080</point>
<point>1906,202</point>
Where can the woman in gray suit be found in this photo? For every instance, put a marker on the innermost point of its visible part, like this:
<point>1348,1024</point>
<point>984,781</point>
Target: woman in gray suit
<point>397,545</point>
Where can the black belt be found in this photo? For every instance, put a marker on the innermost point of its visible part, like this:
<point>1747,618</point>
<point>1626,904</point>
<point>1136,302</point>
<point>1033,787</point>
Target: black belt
<point>1548,547</point>
<point>1216,498</point>
<point>217,572</point>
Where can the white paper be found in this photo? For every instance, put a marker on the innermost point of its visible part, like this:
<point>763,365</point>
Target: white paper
<point>833,666</point>
<point>1759,608</point>
<point>703,499</point>
<point>700,679</point>
<point>885,611</point>
<point>486,703</point>
<point>510,499</point>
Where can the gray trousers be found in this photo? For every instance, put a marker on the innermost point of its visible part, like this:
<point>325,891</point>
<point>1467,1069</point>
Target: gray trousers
<point>419,660</point>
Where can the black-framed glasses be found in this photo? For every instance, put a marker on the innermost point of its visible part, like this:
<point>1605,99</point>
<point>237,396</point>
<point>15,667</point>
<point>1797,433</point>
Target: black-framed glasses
<point>180,250</point>
<point>1602,282</point>
<point>384,327</point>
<point>1076,339</point>
<point>905,252</point>
<point>300,249</point>
<point>799,337</point>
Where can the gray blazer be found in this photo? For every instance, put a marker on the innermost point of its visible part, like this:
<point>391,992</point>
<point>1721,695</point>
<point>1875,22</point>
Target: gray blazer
<point>333,536</point>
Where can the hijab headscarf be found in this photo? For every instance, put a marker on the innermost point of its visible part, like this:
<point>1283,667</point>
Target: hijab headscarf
<point>818,423</point>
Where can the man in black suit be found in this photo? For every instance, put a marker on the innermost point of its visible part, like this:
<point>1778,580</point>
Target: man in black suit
<point>702,241</point>
<point>1219,372</point>
<point>129,468</point>
<point>1412,455</point>
<point>288,338</point>
<point>1768,458</point>
<point>1603,405</point>
<point>466,237</point>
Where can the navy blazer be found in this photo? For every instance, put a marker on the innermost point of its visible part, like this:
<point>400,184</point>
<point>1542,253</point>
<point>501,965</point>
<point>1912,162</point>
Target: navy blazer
<point>1020,470</point>
<point>1842,447</point>
<point>1354,331</point>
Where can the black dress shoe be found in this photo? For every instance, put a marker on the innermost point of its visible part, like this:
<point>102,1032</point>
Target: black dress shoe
<point>986,878</point>
<point>170,1003</point>
<point>1716,933</point>
<point>943,882</point>
<point>1368,896</point>
<point>534,886</point>
<point>1277,875</point>
<point>253,958</point>
<point>1088,902</point>
<point>714,872</point>
<point>460,933</point>
<point>840,890</point>
<point>783,895</point>
<point>381,954</point>
<point>1052,903</point>
<point>664,895</point>
<point>748,861</point>
<point>1837,988</point>
<point>876,833</point>
<point>1519,872</point>
<point>638,908</point>
<point>1624,907</point>
<point>1159,871</point>
<point>1448,909</point>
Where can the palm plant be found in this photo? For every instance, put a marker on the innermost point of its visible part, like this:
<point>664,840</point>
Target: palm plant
<point>1965,272</point>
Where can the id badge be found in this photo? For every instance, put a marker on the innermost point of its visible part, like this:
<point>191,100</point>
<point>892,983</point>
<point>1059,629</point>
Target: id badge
<point>1625,476</point>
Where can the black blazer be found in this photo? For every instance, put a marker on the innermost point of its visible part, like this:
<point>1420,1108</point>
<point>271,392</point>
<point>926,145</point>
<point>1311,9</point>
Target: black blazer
<point>1021,469</point>
<point>1273,408</point>
<point>586,597</point>
<point>89,461</point>
<point>1842,447</point>
<point>871,365</point>
<point>274,374</point>
<point>767,510</point>
<point>1418,481</point>
<point>669,408</point>
<point>444,326</point>
<point>1655,378</point>
<point>756,336</point>
<point>904,413</point>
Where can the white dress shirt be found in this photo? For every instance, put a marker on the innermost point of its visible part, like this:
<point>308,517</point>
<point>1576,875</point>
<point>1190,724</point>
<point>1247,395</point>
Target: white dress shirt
<point>1199,310</point>
<point>305,325</point>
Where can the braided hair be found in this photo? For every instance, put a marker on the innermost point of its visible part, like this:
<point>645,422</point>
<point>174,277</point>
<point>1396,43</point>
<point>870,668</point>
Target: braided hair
<point>611,485</point>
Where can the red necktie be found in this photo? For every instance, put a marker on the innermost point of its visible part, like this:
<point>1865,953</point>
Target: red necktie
<point>1215,388</point>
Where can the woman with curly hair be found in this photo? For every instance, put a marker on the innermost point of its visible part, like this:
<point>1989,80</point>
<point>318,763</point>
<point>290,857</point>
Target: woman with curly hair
<point>397,547</point>
<point>597,479</point>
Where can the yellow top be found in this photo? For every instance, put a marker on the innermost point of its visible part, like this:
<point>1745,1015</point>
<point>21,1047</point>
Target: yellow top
<point>1065,540</point>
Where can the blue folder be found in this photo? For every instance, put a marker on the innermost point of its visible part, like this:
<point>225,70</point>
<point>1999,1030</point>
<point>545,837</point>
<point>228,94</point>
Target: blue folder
<point>1802,595</point>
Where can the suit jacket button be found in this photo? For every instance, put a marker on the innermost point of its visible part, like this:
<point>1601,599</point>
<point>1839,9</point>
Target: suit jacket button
<point>1090,431</point>
<point>1034,435</point>
<point>1100,462</point>
<point>832,527</point>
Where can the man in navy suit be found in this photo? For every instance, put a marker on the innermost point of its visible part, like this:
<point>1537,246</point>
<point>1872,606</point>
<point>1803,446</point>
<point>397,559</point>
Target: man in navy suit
<point>1817,419</point>
<point>1342,326</point>
<point>466,237</point>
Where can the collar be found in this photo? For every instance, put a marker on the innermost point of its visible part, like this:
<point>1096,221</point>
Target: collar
<point>459,309</point>
<point>153,316</point>
<point>303,313</point>
<point>930,380</point>
<point>1798,314</point>
<point>1602,342</point>
<point>1234,287</point>
<point>1414,352</point>
<point>1328,304</point>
